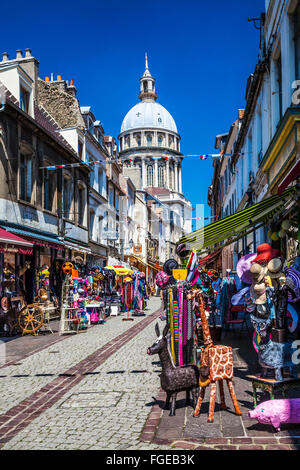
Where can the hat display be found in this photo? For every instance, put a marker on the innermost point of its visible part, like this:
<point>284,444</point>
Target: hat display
<point>258,272</point>
<point>169,265</point>
<point>258,293</point>
<point>265,253</point>
<point>275,267</point>
<point>243,268</point>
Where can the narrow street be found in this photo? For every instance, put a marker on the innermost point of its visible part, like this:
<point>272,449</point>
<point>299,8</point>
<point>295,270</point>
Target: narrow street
<point>89,391</point>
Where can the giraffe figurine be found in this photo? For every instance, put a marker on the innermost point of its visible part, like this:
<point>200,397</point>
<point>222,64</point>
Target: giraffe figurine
<point>216,365</point>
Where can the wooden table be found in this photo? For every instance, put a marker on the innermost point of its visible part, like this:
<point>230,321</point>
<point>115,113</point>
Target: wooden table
<point>271,385</point>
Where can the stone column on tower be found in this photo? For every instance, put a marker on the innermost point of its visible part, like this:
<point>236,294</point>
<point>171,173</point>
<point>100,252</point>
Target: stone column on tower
<point>144,184</point>
<point>168,173</point>
<point>155,173</point>
<point>176,176</point>
<point>179,178</point>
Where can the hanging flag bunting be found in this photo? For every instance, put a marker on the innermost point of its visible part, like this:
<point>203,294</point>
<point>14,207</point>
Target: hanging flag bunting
<point>130,160</point>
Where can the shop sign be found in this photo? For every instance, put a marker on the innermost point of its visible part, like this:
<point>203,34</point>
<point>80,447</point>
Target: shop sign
<point>137,249</point>
<point>179,274</point>
<point>10,250</point>
<point>110,235</point>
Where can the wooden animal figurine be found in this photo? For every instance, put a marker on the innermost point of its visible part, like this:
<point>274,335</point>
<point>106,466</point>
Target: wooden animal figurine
<point>174,379</point>
<point>216,365</point>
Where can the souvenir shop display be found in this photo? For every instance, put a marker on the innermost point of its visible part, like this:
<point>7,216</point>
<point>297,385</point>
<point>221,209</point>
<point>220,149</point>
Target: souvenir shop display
<point>139,299</point>
<point>180,318</point>
<point>186,304</point>
<point>122,296</point>
<point>216,365</point>
<point>83,299</point>
<point>15,314</point>
<point>174,379</point>
<point>272,288</point>
<point>227,289</point>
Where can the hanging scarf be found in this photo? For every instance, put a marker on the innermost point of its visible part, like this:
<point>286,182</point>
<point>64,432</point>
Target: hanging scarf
<point>180,300</point>
<point>171,325</point>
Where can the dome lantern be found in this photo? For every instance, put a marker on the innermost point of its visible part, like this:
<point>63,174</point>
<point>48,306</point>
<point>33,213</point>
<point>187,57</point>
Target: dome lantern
<point>147,85</point>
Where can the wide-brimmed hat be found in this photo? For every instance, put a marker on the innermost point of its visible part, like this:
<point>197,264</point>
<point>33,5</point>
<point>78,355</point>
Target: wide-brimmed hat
<point>258,293</point>
<point>258,272</point>
<point>265,253</point>
<point>181,250</point>
<point>243,268</point>
<point>169,265</point>
<point>275,267</point>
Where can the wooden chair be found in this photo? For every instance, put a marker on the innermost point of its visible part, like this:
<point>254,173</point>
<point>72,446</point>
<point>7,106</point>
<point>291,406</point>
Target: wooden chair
<point>232,318</point>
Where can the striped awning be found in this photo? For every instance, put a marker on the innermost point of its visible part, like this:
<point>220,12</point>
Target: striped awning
<point>209,258</point>
<point>238,225</point>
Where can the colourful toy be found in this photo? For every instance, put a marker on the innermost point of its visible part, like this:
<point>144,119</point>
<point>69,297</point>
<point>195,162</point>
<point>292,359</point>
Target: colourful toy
<point>276,412</point>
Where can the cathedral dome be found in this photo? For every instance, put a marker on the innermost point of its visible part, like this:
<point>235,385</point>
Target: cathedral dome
<point>148,115</point>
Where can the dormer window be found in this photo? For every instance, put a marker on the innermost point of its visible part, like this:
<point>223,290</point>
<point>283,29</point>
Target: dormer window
<point>24,99</point>
<point>91,126</point>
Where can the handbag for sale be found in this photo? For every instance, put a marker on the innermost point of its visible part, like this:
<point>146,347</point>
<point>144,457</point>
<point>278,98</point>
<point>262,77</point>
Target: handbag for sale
<point>94,316</point>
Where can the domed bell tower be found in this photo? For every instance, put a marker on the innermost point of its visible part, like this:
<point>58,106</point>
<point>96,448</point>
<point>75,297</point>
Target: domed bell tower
<point>147,85</point>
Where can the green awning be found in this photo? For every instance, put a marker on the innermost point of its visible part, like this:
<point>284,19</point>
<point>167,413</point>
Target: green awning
<point>237,225</point>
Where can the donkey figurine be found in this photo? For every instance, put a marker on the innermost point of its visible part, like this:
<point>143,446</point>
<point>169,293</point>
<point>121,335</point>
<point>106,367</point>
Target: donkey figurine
<point>174,379</point>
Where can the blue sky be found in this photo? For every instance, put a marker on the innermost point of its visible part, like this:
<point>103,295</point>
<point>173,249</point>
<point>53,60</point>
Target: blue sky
<point>201,54</point>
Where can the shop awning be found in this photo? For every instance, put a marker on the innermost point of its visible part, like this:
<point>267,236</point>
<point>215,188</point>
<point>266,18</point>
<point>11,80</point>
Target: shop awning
<point>38,238</point>
<point>209,258</point>
<point>79,248</point>
<point>290,177</point>
<point>144,263</point>
<point>236,226</point>
<point>8,238</point>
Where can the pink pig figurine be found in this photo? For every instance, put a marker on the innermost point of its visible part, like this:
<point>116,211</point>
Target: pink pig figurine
<point>275,412</point>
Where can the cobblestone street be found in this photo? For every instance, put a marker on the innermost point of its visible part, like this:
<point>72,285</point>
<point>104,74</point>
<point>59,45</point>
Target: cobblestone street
<point>100,390</point>
<point>103,390</point>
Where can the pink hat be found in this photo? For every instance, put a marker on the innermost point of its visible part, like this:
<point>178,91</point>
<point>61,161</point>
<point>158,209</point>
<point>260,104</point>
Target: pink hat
<point>161,279</point>
<point>243,267</point>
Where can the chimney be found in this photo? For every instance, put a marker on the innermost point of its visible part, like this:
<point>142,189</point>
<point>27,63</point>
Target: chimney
<point>5,57</point>
<point>28,52</point>
<point>19,54</point>
<point>71,89</point>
